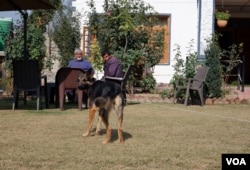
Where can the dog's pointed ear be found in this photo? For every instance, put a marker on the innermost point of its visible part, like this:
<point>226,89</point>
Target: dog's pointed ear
<point>80,76</point>
<point>90,71</point>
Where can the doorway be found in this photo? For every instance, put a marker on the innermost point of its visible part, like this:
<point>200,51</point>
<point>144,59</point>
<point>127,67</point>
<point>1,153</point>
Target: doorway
<point>236,32</point>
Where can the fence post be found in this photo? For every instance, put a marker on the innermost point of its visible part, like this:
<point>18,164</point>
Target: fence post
<point>243,72</point>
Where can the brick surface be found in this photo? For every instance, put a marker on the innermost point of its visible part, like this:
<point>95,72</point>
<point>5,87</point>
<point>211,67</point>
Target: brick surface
<point>235,97</point>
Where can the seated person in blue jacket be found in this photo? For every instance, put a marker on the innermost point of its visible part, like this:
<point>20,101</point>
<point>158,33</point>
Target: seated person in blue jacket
<point>78,62</point>
<point>112,66</point>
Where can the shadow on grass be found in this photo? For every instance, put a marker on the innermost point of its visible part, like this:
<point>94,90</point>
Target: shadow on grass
<point>114,134</point>
<point>70,105</point>
<point>133,102</point>
<point>195,101</point>
<point>6,104</point>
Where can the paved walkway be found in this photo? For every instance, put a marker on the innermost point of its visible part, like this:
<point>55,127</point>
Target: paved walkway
<point>243,95</point>
<point>235,97</point>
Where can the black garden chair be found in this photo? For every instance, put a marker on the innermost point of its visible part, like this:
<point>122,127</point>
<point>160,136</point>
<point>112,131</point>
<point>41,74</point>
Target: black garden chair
<point>122,80</point>
<point>27,77</point>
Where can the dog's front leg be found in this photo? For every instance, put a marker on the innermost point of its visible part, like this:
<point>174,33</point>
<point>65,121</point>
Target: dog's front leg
<point>119,113</point>
<point>92,111</point>
<point>98,126</point>
<point>120,133</point>
<point>108,129</point>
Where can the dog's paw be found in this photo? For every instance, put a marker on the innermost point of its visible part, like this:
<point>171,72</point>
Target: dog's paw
<point>105,142</point>
<point>121,142</point>
<point>86,134</point>
<point>98,133</point>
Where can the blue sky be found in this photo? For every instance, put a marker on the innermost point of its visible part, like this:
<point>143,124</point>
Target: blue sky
<point>11,14</point>
<point>16,15</point>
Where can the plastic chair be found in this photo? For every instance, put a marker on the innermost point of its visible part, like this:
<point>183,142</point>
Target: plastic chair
<point>193,84</point>
<point>67,78</point>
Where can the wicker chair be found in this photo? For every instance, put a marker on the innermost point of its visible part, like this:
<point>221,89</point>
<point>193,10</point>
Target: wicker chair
<point>27,77</point>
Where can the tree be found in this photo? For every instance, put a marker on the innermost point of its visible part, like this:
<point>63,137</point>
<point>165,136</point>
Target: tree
<point>126,29</point>
<point>66,34</point>
<point>36,27</point>
<point>95,55</point>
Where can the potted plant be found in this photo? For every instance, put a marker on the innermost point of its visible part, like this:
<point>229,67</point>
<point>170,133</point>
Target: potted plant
<point>222,18</point>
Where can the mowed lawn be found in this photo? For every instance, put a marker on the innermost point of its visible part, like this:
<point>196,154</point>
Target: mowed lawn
<point>157,136</point>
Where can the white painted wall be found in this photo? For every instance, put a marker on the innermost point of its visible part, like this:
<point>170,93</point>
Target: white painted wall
<point>207,23</point>
<point>183,27</point>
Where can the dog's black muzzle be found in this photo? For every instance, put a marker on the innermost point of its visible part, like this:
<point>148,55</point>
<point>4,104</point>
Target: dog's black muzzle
<point>85,82</point>
<point>83,86</point>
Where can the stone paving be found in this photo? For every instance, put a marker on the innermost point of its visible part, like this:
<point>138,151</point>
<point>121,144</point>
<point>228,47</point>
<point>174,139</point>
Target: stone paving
<point>235,97</point>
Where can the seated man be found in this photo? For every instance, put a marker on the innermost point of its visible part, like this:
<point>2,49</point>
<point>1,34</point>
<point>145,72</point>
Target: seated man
<point>112,66</point>
<point>78,62</point>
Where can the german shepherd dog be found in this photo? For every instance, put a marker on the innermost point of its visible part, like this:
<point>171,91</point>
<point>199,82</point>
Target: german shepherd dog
<point>85,80</point>
<point>105,96</point>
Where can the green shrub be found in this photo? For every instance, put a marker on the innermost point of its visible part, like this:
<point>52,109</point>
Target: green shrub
<point>148,83</point>
<point>213,55</point>
<point>191,61</point>
<point>169,92</point>
<point>183,69</point>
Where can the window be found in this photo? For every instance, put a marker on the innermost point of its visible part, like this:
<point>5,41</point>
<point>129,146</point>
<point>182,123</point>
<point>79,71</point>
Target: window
<point>86,41</point>
<point>164,26</point>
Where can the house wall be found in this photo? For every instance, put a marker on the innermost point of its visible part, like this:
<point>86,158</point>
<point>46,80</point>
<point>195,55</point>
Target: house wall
<point>206,25</point>
<point>184,27</point>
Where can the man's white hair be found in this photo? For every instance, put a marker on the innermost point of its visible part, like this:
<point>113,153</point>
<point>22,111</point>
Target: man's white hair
<point>77,50</point>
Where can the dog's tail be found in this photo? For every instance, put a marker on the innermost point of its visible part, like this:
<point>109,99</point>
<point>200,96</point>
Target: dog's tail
<point>101,102</point>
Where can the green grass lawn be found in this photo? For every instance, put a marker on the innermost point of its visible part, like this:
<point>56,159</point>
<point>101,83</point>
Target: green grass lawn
<point>157,136</point>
